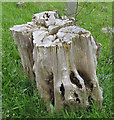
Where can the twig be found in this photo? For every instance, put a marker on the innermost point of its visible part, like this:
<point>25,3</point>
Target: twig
<point>81,8</point>
<point>76,12</point>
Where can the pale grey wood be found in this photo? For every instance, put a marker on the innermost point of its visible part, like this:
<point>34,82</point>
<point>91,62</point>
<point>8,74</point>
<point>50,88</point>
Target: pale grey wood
<point>22,35</point>
<point>65,60</point>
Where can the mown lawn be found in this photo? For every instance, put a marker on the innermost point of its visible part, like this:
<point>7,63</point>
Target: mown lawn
<point>17,100</point>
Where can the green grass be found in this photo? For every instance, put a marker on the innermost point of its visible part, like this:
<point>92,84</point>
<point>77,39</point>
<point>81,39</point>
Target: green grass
<point>18,102</point>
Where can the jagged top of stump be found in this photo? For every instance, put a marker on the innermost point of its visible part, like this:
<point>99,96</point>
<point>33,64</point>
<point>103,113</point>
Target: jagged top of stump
<point>49,30</point>
<point>24,28</point>
<point>57,31</point>
<point>42,38</point>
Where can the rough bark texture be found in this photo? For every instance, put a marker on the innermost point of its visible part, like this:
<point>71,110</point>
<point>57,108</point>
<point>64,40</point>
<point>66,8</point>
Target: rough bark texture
<point>65,60</point>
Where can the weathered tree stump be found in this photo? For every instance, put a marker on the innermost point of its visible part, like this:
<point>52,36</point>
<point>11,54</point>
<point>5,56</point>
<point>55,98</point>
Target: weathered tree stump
<point>64,59</point>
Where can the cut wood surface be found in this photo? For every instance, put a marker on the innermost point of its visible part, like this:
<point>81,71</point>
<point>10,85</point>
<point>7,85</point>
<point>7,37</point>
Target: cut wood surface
<point>64,59</point>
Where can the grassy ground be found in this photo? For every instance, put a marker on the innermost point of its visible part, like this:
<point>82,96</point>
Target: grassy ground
<point>16,88</point>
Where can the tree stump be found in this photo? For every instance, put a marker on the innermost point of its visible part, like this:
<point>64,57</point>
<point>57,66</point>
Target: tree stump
<point>64,59</point>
